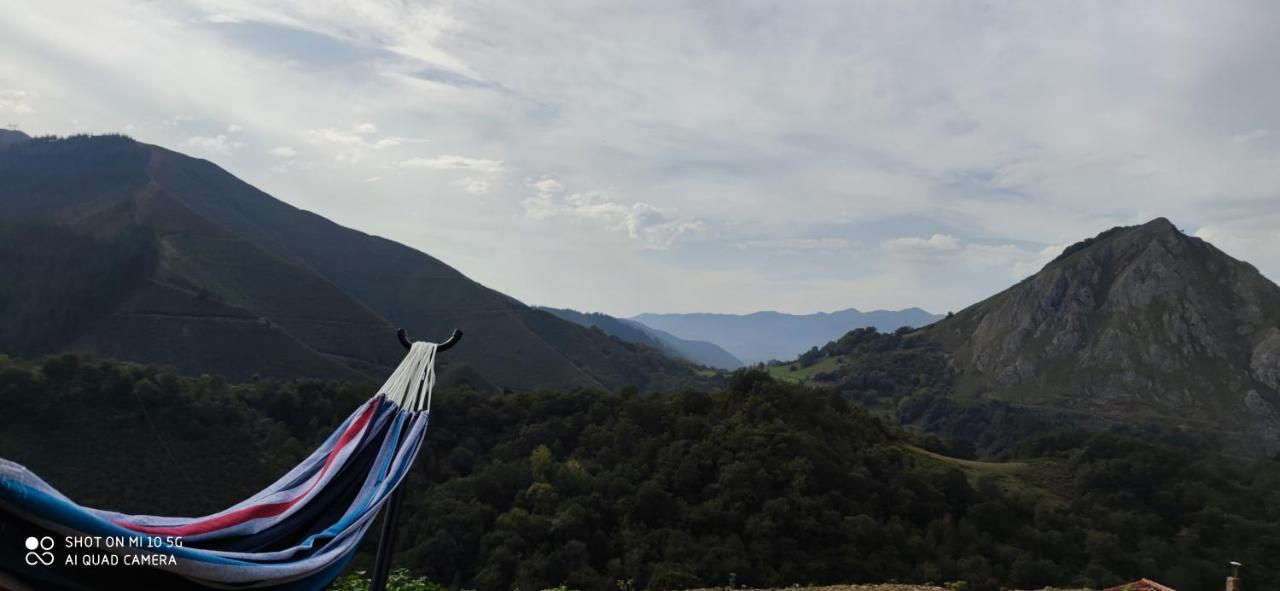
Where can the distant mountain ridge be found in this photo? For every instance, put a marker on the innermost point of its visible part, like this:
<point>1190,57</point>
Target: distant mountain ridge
<point>700,352</point>
<point>1139,323</point>
<point>243,284</point>
<point>765,336</point>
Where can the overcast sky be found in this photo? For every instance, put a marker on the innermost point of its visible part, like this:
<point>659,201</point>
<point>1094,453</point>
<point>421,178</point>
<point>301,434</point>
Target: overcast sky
<point>660,156</point>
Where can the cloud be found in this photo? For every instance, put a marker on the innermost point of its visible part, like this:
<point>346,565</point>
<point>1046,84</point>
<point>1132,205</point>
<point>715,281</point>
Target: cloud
<point>15,101</point>
<point>335,136</point>
<point>473,185</point>
<point>934,249</point>
<point>455,162</point>
<point>352,145</point>
<point>793,244</point>
<point>415,32</point>
<point>777,129</point>
<point>284,152</point>
<point>394,141</point>
<point>547,185</point>
<point>1017,261</point>
<point>1257,134</point>
<point>947,250</point>
<point>358,135</point>
<point>652,227</point>
<point>234,128</point>
<point>218,144</point>
<point>543,204</point>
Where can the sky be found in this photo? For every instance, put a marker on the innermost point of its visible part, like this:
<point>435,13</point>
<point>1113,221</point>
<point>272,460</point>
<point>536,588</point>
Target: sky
<point>723,156</point>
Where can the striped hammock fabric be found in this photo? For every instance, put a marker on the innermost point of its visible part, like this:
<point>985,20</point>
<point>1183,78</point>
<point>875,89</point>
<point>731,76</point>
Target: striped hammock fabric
<point>296,534</point>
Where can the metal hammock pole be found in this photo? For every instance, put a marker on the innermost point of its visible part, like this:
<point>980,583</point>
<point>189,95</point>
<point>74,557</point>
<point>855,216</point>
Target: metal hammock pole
<point>391,514</point>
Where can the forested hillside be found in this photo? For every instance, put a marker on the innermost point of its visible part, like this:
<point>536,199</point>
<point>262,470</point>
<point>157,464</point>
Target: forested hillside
<point>57,282</point>
<point>775,482</point>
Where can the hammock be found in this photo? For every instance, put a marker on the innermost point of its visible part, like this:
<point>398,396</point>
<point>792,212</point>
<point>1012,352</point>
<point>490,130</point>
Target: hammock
<point>296,534</point>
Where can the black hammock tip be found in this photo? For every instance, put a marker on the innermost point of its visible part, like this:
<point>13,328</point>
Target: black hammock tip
<point>453,339</point>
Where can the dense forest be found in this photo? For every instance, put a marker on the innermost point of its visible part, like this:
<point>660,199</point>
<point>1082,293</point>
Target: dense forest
<point>764,482</point>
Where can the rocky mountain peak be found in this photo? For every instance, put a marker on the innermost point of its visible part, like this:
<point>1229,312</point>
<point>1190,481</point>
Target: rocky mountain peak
<point>1160,224</point>
<point>1140,320</point>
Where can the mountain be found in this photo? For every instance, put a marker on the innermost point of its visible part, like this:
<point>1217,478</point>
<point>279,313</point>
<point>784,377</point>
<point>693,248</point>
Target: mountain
<point>12,136</point>
<point>700,352</point>
<point>764,336</point>
<point>213,275</point>
<point>1140,323</point>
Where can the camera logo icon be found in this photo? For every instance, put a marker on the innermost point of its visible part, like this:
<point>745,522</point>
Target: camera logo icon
<point>38,551</point>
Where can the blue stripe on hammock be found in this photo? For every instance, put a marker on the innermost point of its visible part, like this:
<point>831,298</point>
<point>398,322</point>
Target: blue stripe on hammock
<point>305,566</point>
<point>385,478</point>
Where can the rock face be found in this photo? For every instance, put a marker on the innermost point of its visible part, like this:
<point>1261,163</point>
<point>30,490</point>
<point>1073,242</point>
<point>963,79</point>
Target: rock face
<point>1140,322</point>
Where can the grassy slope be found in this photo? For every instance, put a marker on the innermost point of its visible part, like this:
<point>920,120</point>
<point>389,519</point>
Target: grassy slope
<point>1040,477</point>
<point>802,374</point>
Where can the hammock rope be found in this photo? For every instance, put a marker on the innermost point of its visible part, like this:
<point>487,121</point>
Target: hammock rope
<point>296,534</point>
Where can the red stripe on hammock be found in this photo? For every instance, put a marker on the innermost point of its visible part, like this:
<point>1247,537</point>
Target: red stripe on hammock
<point>265,510</point>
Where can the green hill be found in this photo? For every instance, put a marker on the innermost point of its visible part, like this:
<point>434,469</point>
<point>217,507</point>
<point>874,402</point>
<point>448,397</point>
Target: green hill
<point>244,284</point>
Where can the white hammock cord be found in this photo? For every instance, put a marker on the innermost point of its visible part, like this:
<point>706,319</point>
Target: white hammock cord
<point>414,375</point>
